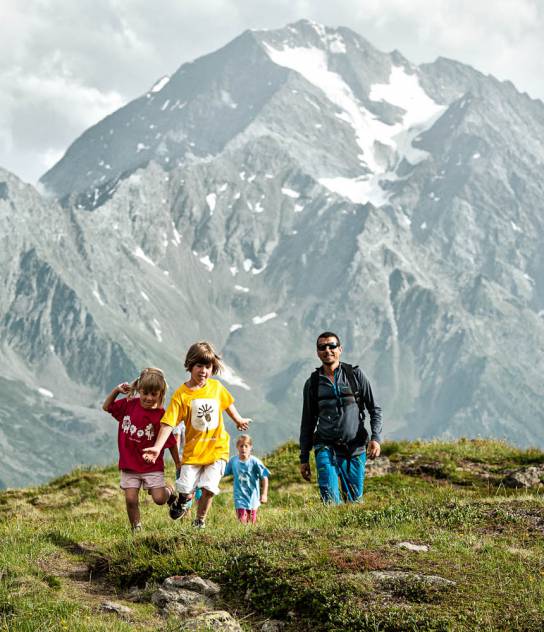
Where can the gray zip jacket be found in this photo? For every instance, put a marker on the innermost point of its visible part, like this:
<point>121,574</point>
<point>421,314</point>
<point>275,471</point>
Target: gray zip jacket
<point>338,413</point>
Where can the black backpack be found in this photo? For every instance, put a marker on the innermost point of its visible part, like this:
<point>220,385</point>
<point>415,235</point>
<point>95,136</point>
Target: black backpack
<point>361,439</point>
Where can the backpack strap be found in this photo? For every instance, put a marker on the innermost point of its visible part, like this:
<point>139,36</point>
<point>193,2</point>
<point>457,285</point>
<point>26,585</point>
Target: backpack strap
<point>314,387</point>
<point>354,385</point>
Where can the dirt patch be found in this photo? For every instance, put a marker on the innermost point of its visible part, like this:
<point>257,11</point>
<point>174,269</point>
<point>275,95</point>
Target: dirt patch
<point>74,578</point>
<point>361,560</point>
<point>512,517</point>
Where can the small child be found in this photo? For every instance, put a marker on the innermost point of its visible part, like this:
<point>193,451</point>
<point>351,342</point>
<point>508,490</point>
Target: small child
<point>139,423</point>
<point>247,471</point>
<point>199,403</point>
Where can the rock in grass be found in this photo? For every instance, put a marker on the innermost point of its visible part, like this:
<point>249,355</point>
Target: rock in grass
<point>378,467</point>
<point>180,601</point>
<point>136,594</point>
<point>111,606</point>
<point>525,477</point>
<point>219,620</point>
<point>410,546</point>
<point>192,582</point>
<point>273,626</point>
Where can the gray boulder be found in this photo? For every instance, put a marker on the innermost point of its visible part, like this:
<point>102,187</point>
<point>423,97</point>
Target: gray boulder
<point>193,583</point>
<point>179,601</point>
<point>378,467</point>
<point>111,606</point>
<point>525,477</point>
<point>219,620</point>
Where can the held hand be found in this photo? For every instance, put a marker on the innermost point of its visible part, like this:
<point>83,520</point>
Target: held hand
<point>373,450</point>
<point>305,471</point>
<point>243,424</point>
<point>151,454</point>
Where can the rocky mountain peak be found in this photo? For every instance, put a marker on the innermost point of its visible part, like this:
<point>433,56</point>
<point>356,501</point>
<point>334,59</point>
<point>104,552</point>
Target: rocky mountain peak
<point>296,180</point>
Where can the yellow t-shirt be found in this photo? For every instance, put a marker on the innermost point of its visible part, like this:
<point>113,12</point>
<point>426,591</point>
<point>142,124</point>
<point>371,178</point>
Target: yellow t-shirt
<point>206,439</point>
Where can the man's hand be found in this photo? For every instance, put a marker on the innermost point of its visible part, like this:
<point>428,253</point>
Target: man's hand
<point>305,471</point>
<point>151,454</point>
<point>373,450</point>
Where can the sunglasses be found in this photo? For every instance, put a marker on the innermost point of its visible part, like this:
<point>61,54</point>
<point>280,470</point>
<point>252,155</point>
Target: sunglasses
<point>328,345</point>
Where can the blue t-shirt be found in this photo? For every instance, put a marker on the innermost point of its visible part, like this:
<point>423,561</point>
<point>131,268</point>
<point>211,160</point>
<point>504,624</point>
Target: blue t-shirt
<point>247,475</point>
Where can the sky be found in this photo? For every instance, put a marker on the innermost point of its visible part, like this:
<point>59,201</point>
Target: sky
<point>65,64</point>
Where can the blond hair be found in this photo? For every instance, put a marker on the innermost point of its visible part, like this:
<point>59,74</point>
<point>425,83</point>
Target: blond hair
<point>203,353</point>
<point>246,438</point>
<point>150,379</point>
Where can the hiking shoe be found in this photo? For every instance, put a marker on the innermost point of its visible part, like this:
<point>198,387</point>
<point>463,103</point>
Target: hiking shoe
<point>198,523</point>
<point>179,509</point>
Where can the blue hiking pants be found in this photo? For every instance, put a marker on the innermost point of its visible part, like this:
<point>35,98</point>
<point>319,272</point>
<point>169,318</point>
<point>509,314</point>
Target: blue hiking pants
<point>339,478</point>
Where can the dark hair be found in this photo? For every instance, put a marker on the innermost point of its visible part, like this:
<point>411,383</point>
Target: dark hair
<point>328,334</point>
<point>203,353</point>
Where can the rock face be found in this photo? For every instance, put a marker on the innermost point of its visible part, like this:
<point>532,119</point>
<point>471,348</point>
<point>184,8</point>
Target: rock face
<point>294,181</point>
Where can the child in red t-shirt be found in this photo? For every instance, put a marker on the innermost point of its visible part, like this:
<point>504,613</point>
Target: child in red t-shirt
<point>139,423</point>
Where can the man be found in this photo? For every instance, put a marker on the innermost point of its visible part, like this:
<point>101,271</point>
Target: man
<point>332,423</point>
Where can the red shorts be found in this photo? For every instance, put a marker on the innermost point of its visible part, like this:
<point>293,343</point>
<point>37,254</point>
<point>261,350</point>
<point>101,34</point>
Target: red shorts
<point>247,515</point>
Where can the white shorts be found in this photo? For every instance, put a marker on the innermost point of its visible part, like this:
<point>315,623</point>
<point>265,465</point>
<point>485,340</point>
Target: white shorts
<point>203,476</point>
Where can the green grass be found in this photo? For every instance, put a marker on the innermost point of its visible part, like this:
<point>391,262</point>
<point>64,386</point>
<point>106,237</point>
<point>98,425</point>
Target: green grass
<point>66,547</point>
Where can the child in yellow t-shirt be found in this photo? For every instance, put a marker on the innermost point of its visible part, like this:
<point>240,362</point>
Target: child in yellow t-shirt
<point>199,403</point>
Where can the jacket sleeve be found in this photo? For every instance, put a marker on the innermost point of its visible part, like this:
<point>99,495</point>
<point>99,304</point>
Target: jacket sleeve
<point>307,426</point>
<point>374,411</point>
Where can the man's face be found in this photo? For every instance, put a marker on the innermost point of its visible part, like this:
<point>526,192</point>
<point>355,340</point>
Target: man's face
<point>328,350</point>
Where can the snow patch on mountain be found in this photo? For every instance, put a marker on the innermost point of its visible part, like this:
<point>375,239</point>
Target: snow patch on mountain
<point>232,378</point>
<point>159,85</point>
<point>402,90</point>
<point>259,320</point>
<point>141,255</point>
<point>290,193</point>
<point>157,329</point>
<point>96,294</point>
<point>211,200</point>
<point>207,262</point>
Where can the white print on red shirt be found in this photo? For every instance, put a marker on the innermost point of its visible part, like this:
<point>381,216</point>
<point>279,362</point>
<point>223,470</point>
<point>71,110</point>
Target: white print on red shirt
<point>129,428</point>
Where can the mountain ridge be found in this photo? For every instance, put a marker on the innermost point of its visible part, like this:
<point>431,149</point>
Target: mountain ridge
<point>411,228</point>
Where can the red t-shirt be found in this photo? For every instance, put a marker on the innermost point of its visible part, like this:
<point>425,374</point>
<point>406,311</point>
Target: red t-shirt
<point>138,429</point>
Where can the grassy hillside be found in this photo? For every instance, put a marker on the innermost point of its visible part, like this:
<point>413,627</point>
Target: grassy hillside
<point>66,548</point>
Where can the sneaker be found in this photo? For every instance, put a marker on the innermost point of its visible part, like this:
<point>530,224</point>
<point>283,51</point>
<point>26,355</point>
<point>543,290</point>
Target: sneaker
<point>137,528</point>
<point>179,509</point>
<point>172,499</point>
<point>198,523</point>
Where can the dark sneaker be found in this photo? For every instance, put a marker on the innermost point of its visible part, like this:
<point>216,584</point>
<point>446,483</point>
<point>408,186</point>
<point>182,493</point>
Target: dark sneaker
<point>198,523</point>
<point>172,499</point>
<point>178,509</point>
